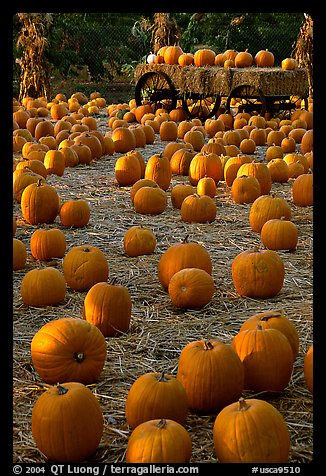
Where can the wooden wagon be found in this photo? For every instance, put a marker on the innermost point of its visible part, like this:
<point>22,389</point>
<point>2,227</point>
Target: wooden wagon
<point>201,90</point>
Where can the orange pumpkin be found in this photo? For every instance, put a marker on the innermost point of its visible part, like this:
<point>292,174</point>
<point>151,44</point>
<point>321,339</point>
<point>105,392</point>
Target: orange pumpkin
<point>191,288</point>
<point>46,244</point>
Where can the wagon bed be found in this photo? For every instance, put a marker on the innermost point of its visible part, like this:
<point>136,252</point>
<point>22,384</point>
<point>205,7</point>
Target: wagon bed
<point>200,89</point>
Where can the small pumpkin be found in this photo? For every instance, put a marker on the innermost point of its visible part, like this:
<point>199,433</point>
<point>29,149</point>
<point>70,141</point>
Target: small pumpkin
<point>108,307</point>
<point>139,240</point>
<point>205,164</point>
<point>260,171</point>
<point>19,254</point>
<point>159,441</point>
<point>245,189</point>
<point>258,273</point>
<point>158,169</point>
<point>240,431</point>
<point>42,287</point>
<point>206,186</point>
<point>84,266</point>
<point>198,209</point>
<point>302,190</point>
<point>75,213</point>
<point>150,200</point>
<point>68,349</point>
<point>191,288</point>
<point>67,408</point>
<point>179,192</point>
<point>264,59</point>
<point>156,395</point>
<point>46,244</point>
<point>279,234</point>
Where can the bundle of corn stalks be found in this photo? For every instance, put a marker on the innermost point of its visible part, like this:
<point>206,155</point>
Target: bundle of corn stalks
<point>303,49</point>
<point>34,67</point>
<point>164,31</point>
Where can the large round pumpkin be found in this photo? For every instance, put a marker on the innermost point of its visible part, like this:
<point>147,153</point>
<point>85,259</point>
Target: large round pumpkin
<point>108,307</point>
<point>302,190</point>
<point>159,441</point>
<point>68,349</point>
<point>139,240</point>
<point>242,433</point>
<point>198,209</point>
<point>204,369</point>
<point>158,169</point>
<point>42,287</point>
<point>84,266</point>
<point>258,273</point>
<point>67,422</point>
<point>186,254</point>
<point>279,234</point>
<point>156,395</point>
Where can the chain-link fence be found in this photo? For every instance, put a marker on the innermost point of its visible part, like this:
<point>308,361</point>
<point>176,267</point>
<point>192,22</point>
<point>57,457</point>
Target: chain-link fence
<point>88,51</point>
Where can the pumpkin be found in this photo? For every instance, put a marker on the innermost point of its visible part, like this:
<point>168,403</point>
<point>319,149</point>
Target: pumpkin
<point>171,54</point>
<point>198,209</point>
<point>140,137</point>
<point>84,153</point>
<point>306,144</point>
<point>296,157</point>
<point>70,156</point>
<point>21,179</point>
<point>308,368</point>
<point>265,208</point>
<point>37,166</point>
<point>275,320</point>
<point>264,59</point>
<point>279,170</point>
<point>84,266</point>
<point>180,161</point>
<point>48,244</point>
<point>158,169</point>
<point>58,111</point>
<point>127,170</point>
<point>150,200</point>
<point>159,441</point>
<point>43,128</point>
<point>302,190</point>
<point>186,59</point>
<point>168,130</point>
<point>258,273</point>
<point>68,349</point>
<point>54,162</point>
<point>204,369</point>
<point>267,358</point>
<point>40,203</point>
<point>242,433</point>
<point>156,395</point>
<point>139,240</point>
<point>195,138</point>
<point>75,213</point>
<point>67,409</point>
<point>279,234</point>
<point>42,287</point>
<point>289,64</point>
<point>206,186</point>
<point>260,171</point>
<point>231,167</point>
<point>205,164</point>
<point>140,183</point>
<point>19,254</point>
<point>245,189</point>
<point>108,307</point>
<point>93,142</point>
<point>191,288</point>
<point>179,192</point>
<point>204,57</point>
<point>186,254</point>
<point>243,59</point>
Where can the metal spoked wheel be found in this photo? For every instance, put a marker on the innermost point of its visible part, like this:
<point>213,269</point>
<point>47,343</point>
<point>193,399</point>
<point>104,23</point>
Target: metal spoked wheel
<point>157,89</point>
<point>283,106</point>
<point>246,98</point>
<point>201,107</point>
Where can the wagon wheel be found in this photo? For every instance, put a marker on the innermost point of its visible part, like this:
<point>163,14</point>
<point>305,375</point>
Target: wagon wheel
<point>157,89</point>
<point>201,107</point>
<point>248,99</point>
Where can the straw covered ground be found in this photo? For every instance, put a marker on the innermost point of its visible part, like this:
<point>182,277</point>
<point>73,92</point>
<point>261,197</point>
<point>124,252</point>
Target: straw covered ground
<point>158,331</point>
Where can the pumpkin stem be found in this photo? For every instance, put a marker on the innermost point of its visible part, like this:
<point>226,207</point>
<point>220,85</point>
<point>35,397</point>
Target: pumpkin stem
<point>161,423</point>
<point>259,327</point>
<point>208,345</point>
<point>79,356</point>
<point>243,405</point>
<point>61,390</point>
<point>186,239</point>
<point>162,377</point>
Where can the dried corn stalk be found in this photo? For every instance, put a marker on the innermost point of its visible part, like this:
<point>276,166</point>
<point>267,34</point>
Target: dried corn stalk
<point>164,31</point>
<point>34,67</point>
<point>303,49</point>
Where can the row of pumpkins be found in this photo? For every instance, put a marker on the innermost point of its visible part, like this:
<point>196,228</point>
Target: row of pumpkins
<point>171,409</point>
<point>174,55</point>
